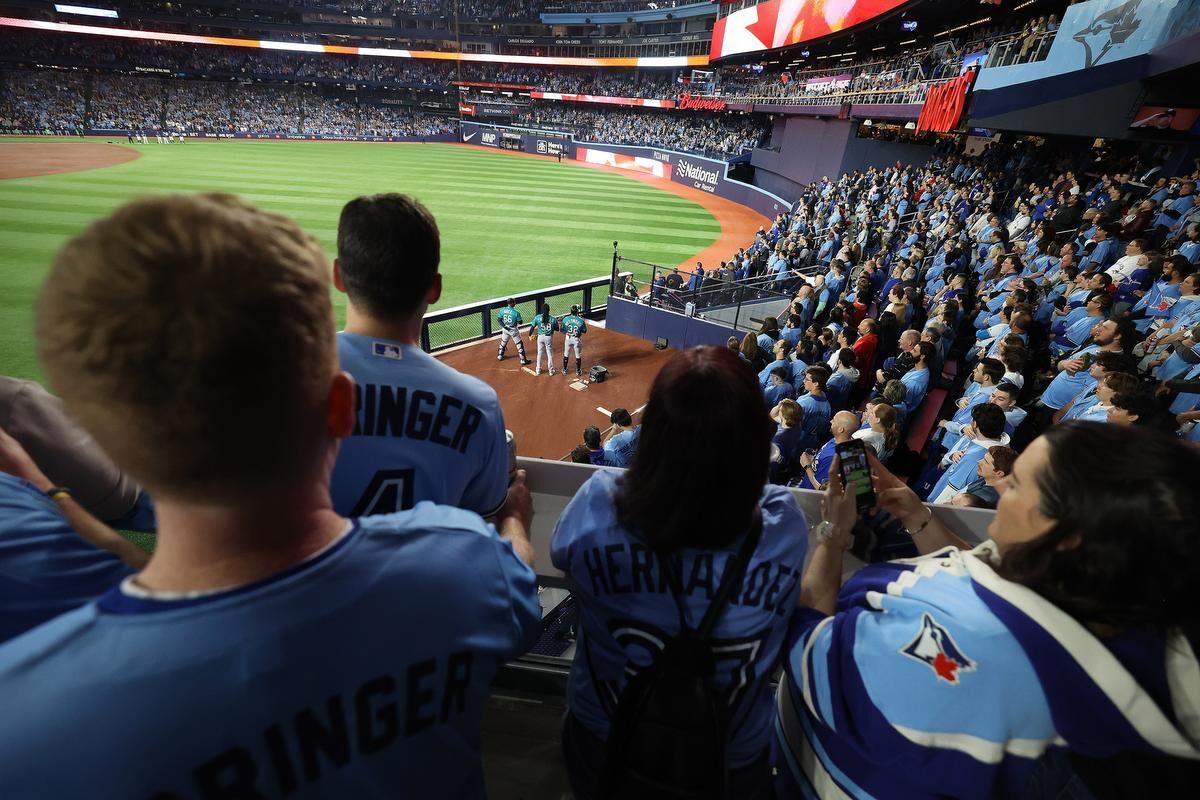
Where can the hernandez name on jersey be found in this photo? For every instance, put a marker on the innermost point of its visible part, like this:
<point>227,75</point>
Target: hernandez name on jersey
<point>423,431</point>
<point>628,612</point>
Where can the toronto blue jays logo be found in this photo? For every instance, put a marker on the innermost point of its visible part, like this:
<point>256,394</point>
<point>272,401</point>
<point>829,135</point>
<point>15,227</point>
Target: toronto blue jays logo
<point>1108,29</point>
<point>935,647</point>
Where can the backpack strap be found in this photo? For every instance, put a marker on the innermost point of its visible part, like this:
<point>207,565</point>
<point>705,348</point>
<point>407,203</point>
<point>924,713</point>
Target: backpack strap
<point>735,571</point>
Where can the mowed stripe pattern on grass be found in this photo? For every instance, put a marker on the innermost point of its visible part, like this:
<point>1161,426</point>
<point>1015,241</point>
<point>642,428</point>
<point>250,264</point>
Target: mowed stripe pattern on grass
<point>509,224</point>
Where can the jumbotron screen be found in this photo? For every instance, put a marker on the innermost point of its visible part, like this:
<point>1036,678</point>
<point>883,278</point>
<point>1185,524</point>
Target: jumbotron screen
<point>779,23</point>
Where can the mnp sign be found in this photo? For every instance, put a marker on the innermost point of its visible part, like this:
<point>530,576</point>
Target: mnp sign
<point>944,104</point>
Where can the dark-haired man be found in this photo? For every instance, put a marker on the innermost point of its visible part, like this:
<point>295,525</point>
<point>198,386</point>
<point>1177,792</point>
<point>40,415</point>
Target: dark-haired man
<point>422,431</point>
<point>985,430</point>
<point>995,466</point>
<point>622,439</point>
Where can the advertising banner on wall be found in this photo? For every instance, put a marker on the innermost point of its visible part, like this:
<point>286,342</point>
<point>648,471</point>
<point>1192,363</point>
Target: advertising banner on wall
<point>706,174</point>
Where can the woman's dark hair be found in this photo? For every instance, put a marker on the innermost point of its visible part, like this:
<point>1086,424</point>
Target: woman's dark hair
<point>1137,520</point>
<point>700,393</point>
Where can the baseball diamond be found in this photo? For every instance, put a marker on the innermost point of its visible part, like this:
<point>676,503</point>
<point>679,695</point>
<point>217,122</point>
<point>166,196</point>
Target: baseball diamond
<point>508,223</point>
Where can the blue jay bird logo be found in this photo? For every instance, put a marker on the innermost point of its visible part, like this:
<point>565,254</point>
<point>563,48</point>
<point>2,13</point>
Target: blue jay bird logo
<point>1110,28</point>
<point>935,647</point>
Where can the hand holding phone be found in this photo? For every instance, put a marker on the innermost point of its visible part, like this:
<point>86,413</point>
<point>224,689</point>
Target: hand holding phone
<point>855,470</point>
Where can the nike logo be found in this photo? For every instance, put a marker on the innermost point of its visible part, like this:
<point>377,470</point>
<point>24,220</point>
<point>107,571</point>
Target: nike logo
<point>469,136</point>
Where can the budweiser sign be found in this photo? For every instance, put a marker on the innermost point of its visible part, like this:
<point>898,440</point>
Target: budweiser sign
<point>701,103</point>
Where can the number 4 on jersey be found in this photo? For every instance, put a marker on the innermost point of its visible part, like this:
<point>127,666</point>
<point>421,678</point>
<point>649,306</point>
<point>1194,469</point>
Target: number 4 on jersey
<point>389,490</point>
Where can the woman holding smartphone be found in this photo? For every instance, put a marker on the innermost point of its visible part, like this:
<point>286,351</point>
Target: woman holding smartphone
<point>1056,659</point>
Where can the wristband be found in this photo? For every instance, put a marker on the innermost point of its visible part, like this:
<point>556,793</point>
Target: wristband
<point>58,492</point>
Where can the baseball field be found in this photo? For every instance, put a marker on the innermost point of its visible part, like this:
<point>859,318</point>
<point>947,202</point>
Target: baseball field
<point>508,223</point>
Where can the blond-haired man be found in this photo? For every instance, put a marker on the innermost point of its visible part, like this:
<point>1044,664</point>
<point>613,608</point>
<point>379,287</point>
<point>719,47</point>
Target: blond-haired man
<point>270,647</point>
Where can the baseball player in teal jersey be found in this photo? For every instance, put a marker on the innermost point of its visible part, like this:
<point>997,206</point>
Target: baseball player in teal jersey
<point>573,326</point>
<point>510,328</point>
<point>545,324</point>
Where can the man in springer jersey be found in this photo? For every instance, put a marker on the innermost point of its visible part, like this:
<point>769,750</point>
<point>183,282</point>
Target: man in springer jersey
<point>573,326</point>
<point>544,325</point>
<point>510,328</point>
<point>270,647</point>
<point>423,431</point>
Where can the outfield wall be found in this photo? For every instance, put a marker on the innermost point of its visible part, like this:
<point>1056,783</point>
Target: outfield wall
<point>699,172</point>
<point>299,137</point>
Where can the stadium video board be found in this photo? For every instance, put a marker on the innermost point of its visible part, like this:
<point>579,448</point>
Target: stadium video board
<point>780,23</point>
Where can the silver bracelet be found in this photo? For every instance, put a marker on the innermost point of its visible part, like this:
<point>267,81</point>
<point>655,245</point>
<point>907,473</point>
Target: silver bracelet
<point>923,525</point>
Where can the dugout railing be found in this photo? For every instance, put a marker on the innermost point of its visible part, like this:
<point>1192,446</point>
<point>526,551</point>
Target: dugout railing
<point>477,321</point>
<point>741,305</point>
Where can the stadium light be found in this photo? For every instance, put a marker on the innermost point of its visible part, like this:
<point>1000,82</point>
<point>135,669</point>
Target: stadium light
<point>382,52</point>
<point>86,11</point>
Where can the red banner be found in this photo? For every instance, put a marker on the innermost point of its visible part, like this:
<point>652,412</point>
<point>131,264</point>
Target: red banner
<point>687,101</point>
<point>944,104</point>
<point>466,110</point>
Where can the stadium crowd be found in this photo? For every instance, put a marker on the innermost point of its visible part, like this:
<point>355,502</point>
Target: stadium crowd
<point>66,102</point>
<point>719,135</point>
<point>40,101</point>
<point>1005,281</point>
<point>446,9</point>
<point>233,62</point>
<point>284,533</point>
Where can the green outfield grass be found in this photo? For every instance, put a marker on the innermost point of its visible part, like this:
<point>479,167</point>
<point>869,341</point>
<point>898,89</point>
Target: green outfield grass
<point>508,224</point>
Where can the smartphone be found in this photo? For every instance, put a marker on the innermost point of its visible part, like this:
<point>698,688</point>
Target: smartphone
<point>856,470</point>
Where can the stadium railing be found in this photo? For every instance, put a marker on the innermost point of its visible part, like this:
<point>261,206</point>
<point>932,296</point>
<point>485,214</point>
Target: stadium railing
<point>1020,49</point>
<point>741,305</point>
<point>476,321</point>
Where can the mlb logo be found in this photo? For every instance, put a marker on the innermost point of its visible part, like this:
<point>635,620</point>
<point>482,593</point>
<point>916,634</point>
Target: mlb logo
<point>936,648</point>
<point>387,350</point>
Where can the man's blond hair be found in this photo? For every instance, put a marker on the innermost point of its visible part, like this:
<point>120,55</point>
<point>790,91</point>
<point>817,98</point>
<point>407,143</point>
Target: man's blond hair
<point>193,336</point>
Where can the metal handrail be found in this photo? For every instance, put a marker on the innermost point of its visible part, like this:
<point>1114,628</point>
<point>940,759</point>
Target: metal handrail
<point>483,308</point>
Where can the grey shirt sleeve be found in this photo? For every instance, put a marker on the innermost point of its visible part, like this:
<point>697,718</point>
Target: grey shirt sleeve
<point>64,451</point>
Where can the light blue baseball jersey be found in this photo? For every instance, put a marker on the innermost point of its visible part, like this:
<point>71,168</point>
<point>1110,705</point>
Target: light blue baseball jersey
<point>424,431</point>
<point>45,568</point>
<point>573,325</point>
<point>362,672</point>
<point>626,609</point>
<point>620,449</point>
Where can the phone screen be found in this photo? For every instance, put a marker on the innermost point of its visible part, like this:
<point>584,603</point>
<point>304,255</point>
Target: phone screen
<point>856,470</point>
